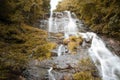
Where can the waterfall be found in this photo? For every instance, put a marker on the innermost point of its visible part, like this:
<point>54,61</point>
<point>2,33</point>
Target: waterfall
<point>53,27</point>
<point>68,26</point>
<point>50,24</point>
<point>71,28</point>
<point>53,4</point>
<point>60,50</point>
<point>107,63</point>
<point>50,21</point>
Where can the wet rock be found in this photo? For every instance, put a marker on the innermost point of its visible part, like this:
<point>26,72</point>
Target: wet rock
<point>54,53</point>
<point>95,74</point>
<point>63,67</point>
<point>35,73</point>
<point>112,44</point>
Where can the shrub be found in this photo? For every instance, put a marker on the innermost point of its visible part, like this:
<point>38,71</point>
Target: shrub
<point>88,71</point>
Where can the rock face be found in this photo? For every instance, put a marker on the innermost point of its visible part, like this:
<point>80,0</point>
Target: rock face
<point>63,67</point>
<point>112,44</point>
<point>36,72</point>
<point>54,52</point>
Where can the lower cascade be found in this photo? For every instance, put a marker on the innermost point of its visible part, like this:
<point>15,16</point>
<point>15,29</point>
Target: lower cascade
<point>107,63</point>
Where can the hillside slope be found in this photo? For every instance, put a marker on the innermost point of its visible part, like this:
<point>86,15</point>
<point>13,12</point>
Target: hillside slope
<point>18,45</point>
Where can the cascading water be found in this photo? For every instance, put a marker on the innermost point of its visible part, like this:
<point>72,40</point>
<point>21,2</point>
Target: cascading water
<point>60,50</point>
<point>68,25</point>
<point>50,24</point>
<point>107,63</point>
<point>71,28</point>
<point>53,27</point>
<point>68,28</point>
<point>50,28</point>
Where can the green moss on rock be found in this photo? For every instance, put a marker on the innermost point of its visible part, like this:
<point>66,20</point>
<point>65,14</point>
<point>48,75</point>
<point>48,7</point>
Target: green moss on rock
<point>73,42</point>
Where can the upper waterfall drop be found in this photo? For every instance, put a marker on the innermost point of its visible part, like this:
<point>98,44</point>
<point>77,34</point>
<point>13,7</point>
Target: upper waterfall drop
<point>53,4</point>
<point>62,22</point>
<point>71,27</point>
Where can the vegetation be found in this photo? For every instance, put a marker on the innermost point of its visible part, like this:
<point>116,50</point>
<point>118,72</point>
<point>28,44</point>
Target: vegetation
<point>102,16</point>
<point>19,11</point>
<point>73,43</point>
<point>88,71</point>
<point>20,42</point>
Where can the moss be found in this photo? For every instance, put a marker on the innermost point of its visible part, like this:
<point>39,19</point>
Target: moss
<point>59,35</point>
<point>87,62</point>
<point>44,51</point>
<point>73,42</point>
<point>83,76</point>
<point>66,41</point>
<point>88,71</point>
<point>72,46</point>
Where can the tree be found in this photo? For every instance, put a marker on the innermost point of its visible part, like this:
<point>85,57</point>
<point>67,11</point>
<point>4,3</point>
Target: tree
<point>19,11</point>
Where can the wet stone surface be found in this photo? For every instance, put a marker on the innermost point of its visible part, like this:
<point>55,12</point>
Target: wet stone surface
<point>63,66</point>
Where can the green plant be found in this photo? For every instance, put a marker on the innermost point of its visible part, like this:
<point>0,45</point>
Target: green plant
<point>87,70</point>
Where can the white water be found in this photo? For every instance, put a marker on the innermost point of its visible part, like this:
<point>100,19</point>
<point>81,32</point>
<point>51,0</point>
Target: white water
<point>71,28</point>
<point>60,50</point>
<point>51,28</point>
<point>107,63</point>
<point>53,4</point>
<point>50,24</point>
<point>68,27</point>
<point>62,22</point>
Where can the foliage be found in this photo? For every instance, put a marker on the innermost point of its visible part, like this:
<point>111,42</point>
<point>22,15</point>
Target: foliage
<point>86,75</point>
<point>59,35</point>
<point>19,44</point>
<point>87,70</point>
<point>103,16</point>
<point>73,42</point>
<point>19,11</point>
